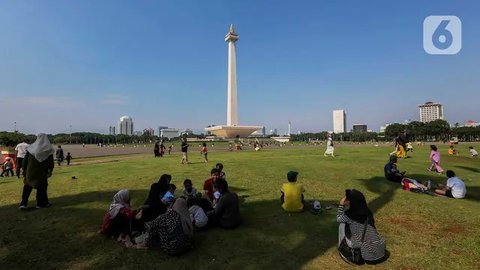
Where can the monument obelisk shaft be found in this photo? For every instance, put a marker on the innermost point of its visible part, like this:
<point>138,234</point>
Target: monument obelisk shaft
<point>232,107</point>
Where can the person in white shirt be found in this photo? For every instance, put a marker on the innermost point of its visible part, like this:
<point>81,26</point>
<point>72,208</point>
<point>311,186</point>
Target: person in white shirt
<point>473,152</point>
<point>20,152</point>
<point>455,187</point>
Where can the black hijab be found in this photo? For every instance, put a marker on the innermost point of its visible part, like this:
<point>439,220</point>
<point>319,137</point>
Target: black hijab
<point>153,205</point>
<point>358,209</point>
<point>164,183</point>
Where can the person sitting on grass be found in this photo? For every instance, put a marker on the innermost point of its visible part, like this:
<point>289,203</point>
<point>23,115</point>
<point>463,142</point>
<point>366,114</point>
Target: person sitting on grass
<point>199,218</point>
<point>227,210</point>
<point>209,185</point>
<point>357,230</point>
<point>189,192</point>
<point>452,151</point>
<point>473,152</point>
<point>153,206</point>
<point>391,171</point>
<point>169,196</point>
<point>118,219</point>
<point>455,187</point>
<point>292,194</point>
<point>171,231</point>
<point>219,167</point>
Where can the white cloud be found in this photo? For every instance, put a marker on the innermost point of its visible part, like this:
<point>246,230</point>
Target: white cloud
<point>115,99</point>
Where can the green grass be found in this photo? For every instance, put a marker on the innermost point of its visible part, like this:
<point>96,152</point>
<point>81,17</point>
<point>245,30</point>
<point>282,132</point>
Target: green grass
<point>422,232</point>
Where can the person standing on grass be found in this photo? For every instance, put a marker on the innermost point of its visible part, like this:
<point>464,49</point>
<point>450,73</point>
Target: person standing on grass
<point>20,152</point>
<point>455,187</point>
<point>59,155</point>
<point>162,149</point>
<point>68,158</point>
<point>292,194</point>
<point>37,168</point>
<point>7,167</point>
<point>184,150</point>
<point>156,149</point>
<point>357,230</point>
<point>330,148</point>
<point>435,158</point>
<point>204,152</point>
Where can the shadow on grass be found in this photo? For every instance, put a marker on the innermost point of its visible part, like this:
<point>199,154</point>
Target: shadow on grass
<point>66,236</point>
<point>468,168</point>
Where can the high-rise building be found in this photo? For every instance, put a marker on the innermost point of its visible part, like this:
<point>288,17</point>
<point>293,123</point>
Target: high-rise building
<point>339,121</point>
<point>111,130</point>
<point>359,128</point>
<point>430,111</point>
<point>149,131</point>
<point>125,125</point>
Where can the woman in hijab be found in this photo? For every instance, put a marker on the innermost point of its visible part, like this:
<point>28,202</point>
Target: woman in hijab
<point>156,149</point>
<point>171,231</point>
<point>164,183</point>
<point>357,229</point>
<point>117,222</point>
<point>37,168</point>
<point>153,206</point>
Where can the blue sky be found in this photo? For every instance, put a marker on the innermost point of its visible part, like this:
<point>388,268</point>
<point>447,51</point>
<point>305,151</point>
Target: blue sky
<point>86,63</point>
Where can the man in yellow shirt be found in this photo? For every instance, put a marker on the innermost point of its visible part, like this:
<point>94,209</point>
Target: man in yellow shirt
<point>292,194</point>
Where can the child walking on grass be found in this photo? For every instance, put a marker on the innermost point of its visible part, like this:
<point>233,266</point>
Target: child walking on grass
<point>204,152</point>
<point>435,158</point>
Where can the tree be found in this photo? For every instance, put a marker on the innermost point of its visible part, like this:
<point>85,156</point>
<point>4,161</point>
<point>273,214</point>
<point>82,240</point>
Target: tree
<point>438,129</point>
<point>393,130</point>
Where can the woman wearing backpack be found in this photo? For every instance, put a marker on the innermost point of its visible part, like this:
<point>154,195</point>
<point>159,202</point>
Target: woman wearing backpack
<point>359,240</point>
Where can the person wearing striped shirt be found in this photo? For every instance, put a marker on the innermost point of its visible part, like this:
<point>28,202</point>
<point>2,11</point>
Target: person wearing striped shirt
<point>353,222</point>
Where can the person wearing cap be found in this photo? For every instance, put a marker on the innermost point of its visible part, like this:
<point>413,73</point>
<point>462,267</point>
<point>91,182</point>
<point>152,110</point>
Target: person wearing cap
<point>292,194</point>
<point>391,171</point>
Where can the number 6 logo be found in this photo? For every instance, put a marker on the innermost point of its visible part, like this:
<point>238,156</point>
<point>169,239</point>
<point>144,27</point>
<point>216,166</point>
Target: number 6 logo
<point>442,35</point>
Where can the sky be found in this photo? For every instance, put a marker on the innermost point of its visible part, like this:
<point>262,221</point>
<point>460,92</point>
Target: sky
<point>86,63</point>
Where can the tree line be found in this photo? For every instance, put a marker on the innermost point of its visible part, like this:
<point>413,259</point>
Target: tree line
<point>438,130</point>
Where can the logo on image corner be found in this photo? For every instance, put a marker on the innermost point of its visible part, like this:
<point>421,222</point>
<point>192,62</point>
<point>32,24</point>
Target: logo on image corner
<point>442,35</point>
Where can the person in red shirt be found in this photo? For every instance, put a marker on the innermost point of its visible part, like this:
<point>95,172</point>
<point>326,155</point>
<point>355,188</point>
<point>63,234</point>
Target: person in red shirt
<point>209,186</point>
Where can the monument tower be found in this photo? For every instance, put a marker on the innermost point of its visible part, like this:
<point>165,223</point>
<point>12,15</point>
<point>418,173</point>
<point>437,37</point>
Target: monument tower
<point>232,128</point>
<point>232,105</point>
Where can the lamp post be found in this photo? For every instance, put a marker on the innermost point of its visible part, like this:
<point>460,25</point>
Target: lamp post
<point>15,127</point>
<point>70,139</point>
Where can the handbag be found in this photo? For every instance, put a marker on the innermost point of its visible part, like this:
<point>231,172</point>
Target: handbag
<point>349,254</point>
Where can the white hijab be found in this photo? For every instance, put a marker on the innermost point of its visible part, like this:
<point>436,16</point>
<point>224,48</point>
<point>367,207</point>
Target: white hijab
<point>120,200</point>
<point>41,148</point>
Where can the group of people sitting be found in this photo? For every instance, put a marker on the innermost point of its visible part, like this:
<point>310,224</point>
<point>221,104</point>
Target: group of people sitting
<point>167,221</point>
<point>359,241</point>
<point>453,188</point>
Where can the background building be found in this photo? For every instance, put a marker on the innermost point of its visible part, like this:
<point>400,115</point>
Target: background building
<point>339,121</point>
<point>111,130</point>
<point>359,128</point>
<point>125,125</point>
<point>430,111</point>
<point>160,130</point>
<point>149,131</point>
<point>169,133</point>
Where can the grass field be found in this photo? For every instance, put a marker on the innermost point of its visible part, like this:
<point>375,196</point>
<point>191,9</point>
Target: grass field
<point>422,231</point>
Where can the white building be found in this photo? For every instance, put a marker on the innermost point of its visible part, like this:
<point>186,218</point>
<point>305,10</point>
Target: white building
<point>125,125</point>
<point>339,121</point>
<point>169,133</point>
<point>430,111</point>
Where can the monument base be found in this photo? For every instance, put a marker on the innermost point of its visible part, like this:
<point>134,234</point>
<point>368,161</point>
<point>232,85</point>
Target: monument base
<point>232,131</point>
